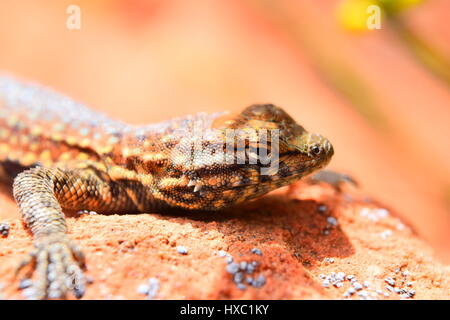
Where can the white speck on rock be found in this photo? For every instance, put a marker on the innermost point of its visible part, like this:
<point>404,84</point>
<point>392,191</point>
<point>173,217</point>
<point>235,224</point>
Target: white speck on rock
<point>153,284</point>
<point>222,253</point>
<point>357,286</point>
<point>182,250</point>
<point>400,226</point>
<point>385,234</point>
<point>329,260</point>
<point>374,214</point>
<point>390,281</point>
<point>332,221</point>
<point>143,289</point>
<point>340,276</point>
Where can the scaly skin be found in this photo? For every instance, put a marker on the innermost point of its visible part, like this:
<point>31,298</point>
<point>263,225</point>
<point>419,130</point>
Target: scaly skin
<point>70,157</point>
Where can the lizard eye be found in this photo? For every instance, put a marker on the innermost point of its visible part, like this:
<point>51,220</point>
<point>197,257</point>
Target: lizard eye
<point>316,149</point>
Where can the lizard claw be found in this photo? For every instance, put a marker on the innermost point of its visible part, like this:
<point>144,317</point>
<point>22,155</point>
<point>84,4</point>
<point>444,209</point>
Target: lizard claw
<point>58,264</point>
<point>335,179</point>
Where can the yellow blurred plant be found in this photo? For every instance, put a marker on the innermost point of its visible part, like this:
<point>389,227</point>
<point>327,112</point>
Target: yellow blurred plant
<point>354,15</point>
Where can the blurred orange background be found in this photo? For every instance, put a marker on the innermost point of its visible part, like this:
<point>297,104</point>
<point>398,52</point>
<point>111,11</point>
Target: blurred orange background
<point>381,96</point>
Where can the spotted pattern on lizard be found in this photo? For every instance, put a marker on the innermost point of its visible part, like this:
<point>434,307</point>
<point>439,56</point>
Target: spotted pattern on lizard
<point>63,156</point>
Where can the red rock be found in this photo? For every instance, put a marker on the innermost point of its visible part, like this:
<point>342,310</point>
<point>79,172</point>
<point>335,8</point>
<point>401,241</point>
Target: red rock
<point>298,244</point>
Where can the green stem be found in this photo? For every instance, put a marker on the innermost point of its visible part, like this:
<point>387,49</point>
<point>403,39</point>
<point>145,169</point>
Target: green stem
<point>429,56</point>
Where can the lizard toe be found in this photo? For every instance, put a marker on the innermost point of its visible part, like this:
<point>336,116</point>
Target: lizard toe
<point>57,264</point>
<point>76,280</point>
<point>29,260</point>
<point>38,289</point>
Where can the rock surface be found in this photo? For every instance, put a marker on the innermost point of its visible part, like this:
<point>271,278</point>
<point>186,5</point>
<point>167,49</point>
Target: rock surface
<point>155,60</point>
<point>148,61</point>
<point>299,242</point>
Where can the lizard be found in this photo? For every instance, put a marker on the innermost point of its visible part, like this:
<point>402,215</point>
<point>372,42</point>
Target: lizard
<point>61,155</point>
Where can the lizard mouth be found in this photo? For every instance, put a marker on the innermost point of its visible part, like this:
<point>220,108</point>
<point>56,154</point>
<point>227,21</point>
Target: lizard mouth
<point>296,164</point>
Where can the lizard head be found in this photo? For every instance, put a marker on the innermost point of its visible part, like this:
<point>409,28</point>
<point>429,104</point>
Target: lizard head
<point>249,154</point>
<point>299,151</point>
<point>294,152</point>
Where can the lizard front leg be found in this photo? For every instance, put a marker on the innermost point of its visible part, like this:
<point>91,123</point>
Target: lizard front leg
<point>41,194</point>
